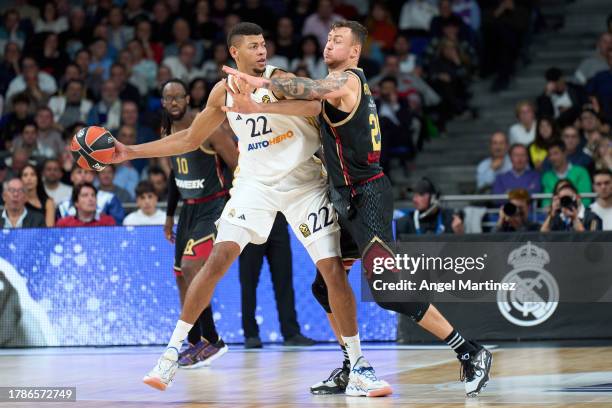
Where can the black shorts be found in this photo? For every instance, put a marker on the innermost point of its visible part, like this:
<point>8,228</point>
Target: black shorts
<point>367,214</point>
<point>196,231</point>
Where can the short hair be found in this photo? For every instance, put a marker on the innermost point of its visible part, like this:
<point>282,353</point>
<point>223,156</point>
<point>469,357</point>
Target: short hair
<point>7,181</point>
<point>565,184</point>
<point>517,108</point>
<point>76,190</point>
<point>389,78</point>
<point>145,187</point>
<point>517,146</point>
<point>30,123</point>
<point>602,172</point>
<point>553,74</point>
<point>557,143</point>
<point>360,33</point>
<point>156,170</point>
<point>519,194</point>
<point>52,159</point>
<point>242,29</point>
<point>21,97</point>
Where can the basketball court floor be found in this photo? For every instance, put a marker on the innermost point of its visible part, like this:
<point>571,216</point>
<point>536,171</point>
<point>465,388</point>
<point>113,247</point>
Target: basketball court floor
<point>540,375</point>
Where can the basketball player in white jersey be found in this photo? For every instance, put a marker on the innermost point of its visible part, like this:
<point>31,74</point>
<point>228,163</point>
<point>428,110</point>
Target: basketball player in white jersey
<point>276,172</point>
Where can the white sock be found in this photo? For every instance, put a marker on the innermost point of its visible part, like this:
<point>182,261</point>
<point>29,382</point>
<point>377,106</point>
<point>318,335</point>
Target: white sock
<point>179,335</point>
<point>353,348</point>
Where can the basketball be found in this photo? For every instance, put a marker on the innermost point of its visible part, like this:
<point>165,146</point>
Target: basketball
<point>92,148</point>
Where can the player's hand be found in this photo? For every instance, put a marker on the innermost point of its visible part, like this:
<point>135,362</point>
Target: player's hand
<point>121,154</point>
<point>256,82</point>
<point>241,98</point>
<point>168,232</point>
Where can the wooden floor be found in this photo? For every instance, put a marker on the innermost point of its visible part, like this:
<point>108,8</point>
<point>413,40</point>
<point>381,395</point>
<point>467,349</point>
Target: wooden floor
<point>276,377</point>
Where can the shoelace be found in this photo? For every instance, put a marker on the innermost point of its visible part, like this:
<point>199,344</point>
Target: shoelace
<point>368,372</point>
<point>468,370</point>
<point>333,374</point>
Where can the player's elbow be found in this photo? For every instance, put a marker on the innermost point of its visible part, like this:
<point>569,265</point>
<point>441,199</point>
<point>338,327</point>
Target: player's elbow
<point>314,108</point>
<point>192,141</point>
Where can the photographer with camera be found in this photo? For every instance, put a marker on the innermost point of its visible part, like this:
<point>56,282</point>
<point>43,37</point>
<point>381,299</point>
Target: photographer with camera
<point>428,217</point>
<point>567,212</point>
<point>514,215</point>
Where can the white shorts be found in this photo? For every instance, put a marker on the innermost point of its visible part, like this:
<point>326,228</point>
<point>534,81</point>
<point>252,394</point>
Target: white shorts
<point>307,209</point>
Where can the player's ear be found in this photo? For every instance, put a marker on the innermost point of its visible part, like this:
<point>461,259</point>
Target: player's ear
<point>188,99</point>
<point>233,52</point>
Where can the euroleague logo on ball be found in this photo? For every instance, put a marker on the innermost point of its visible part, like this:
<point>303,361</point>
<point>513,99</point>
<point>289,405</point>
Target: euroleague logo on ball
<point>92,148</point>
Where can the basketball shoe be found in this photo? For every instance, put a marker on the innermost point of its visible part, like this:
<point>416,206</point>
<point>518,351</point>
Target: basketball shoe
<point>475,371</point>
<point>202,354</point>
<point>162,375</point>
<point>336,382</point>
<point>363,381</point>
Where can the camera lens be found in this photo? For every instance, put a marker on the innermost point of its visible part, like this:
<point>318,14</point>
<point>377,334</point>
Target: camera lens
<point>567,202</point>
<point>510,209</point>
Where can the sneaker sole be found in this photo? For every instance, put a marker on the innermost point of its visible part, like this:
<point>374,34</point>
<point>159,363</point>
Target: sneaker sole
<point>155,383</point>
<point>483,384</point>
<point>328,391</point>
<point>381,392</point>
<point>208,361</point>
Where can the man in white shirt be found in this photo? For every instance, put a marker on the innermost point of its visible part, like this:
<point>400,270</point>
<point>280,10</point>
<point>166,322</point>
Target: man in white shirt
<point>498,163</point>
<point>602,183</point>
<point>148,213</point>
<point>598,62</point>
<point>52,174</point>
<point>30,70</point>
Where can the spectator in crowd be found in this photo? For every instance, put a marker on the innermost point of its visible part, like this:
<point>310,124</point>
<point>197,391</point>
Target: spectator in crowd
<point>575,155</point>
<point>15,213</point>
<point>50,20</point>
<point>561,100</point>
<point>28,140</point>
<point>381,28</point>
<point>36,84</point>
<point>602,156</point>
<point>310,57</point>
<point>429,217</point>
<point>18,160</point>
<point>153,50</point>
<point>520,176</point>
<point>144,69</point>
<point>602,184</point>
<point>9,65</point>
<point>131,117</point>
<point>211,69</point>
<point>100,61</point>
<point>48,134</point>
<point>450,30</point>
<point>514,214</point>
<point>148,213</point>
<point>127,91</point>
<point>126,173</point>
<point>202,25</point>
<point>118,33</point>
<point>562,169</point>
<point>469,11</point>
<point>183,65</point>
<point>546,133</point>
<point>287,43</point>
<point>498,162</point>
<point>182,33</point>
<point>52,176</point>
<point>3,178</point>
<point>504,24</point>
<point>254,11</point>
<point>198,94</point>
<point>13,122</point>
<point>596,63</point>
<point>600,86</point>
<point>106,203</point>
<point>318,23</point>
<point>107,112</point>
<point>134,12</point>
<point>51,58</point>
<point>105,182</point>
<point>408,62</point>
<point>278,252</point>
<point>523,132</point>
<point>569,213</point>
<point>299,12</point>
<point>11,30</point>
<point>591,126</point>
<point>272,57</point>
<point>159,180</point>
<point>396,123</point>
<point>72,106</point>
<point>37,197</point>
<point>84,197</point>
<point>161,25</point>
<point>416,16</point>
<point>78,34</point>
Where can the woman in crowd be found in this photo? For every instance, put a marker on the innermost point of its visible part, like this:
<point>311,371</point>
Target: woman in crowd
<point>38,200</point>
<point>546,133</point>
<point>310,58</point>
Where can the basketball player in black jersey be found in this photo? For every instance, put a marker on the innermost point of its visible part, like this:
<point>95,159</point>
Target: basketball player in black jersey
<point>360,192</point>
<point>198,178</point>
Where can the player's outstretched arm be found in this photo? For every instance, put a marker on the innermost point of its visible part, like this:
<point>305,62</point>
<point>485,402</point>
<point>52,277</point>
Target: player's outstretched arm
<point>243,103</point>
<point>331,87</point>
<point>183,141</point>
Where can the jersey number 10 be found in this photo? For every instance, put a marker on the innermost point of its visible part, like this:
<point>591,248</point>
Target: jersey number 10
<point>181,165</point>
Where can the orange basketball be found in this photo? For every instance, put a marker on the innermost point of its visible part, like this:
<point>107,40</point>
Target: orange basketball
<point>93,147</point>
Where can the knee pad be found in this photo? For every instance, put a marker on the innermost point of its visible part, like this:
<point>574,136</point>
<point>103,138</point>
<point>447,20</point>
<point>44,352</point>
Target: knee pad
<point>319,291</point>
<point>414,310</point>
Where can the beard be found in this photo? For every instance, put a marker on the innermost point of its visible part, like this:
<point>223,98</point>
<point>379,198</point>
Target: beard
<point>178,116</point>
<point>259,71</point>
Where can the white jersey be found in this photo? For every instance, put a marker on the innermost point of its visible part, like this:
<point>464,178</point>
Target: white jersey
<point>272,146</point>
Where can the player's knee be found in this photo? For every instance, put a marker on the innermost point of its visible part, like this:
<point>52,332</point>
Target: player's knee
<point>319,291</point>
<point>333,272</point>
<point>414,310</point>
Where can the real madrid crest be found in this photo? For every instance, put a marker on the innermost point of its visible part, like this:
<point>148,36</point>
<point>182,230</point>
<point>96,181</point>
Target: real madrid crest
<point>266,99</point>
<point>305,230</point>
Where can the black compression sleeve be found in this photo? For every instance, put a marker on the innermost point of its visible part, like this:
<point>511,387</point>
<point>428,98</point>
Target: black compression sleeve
<point>173,195</point>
